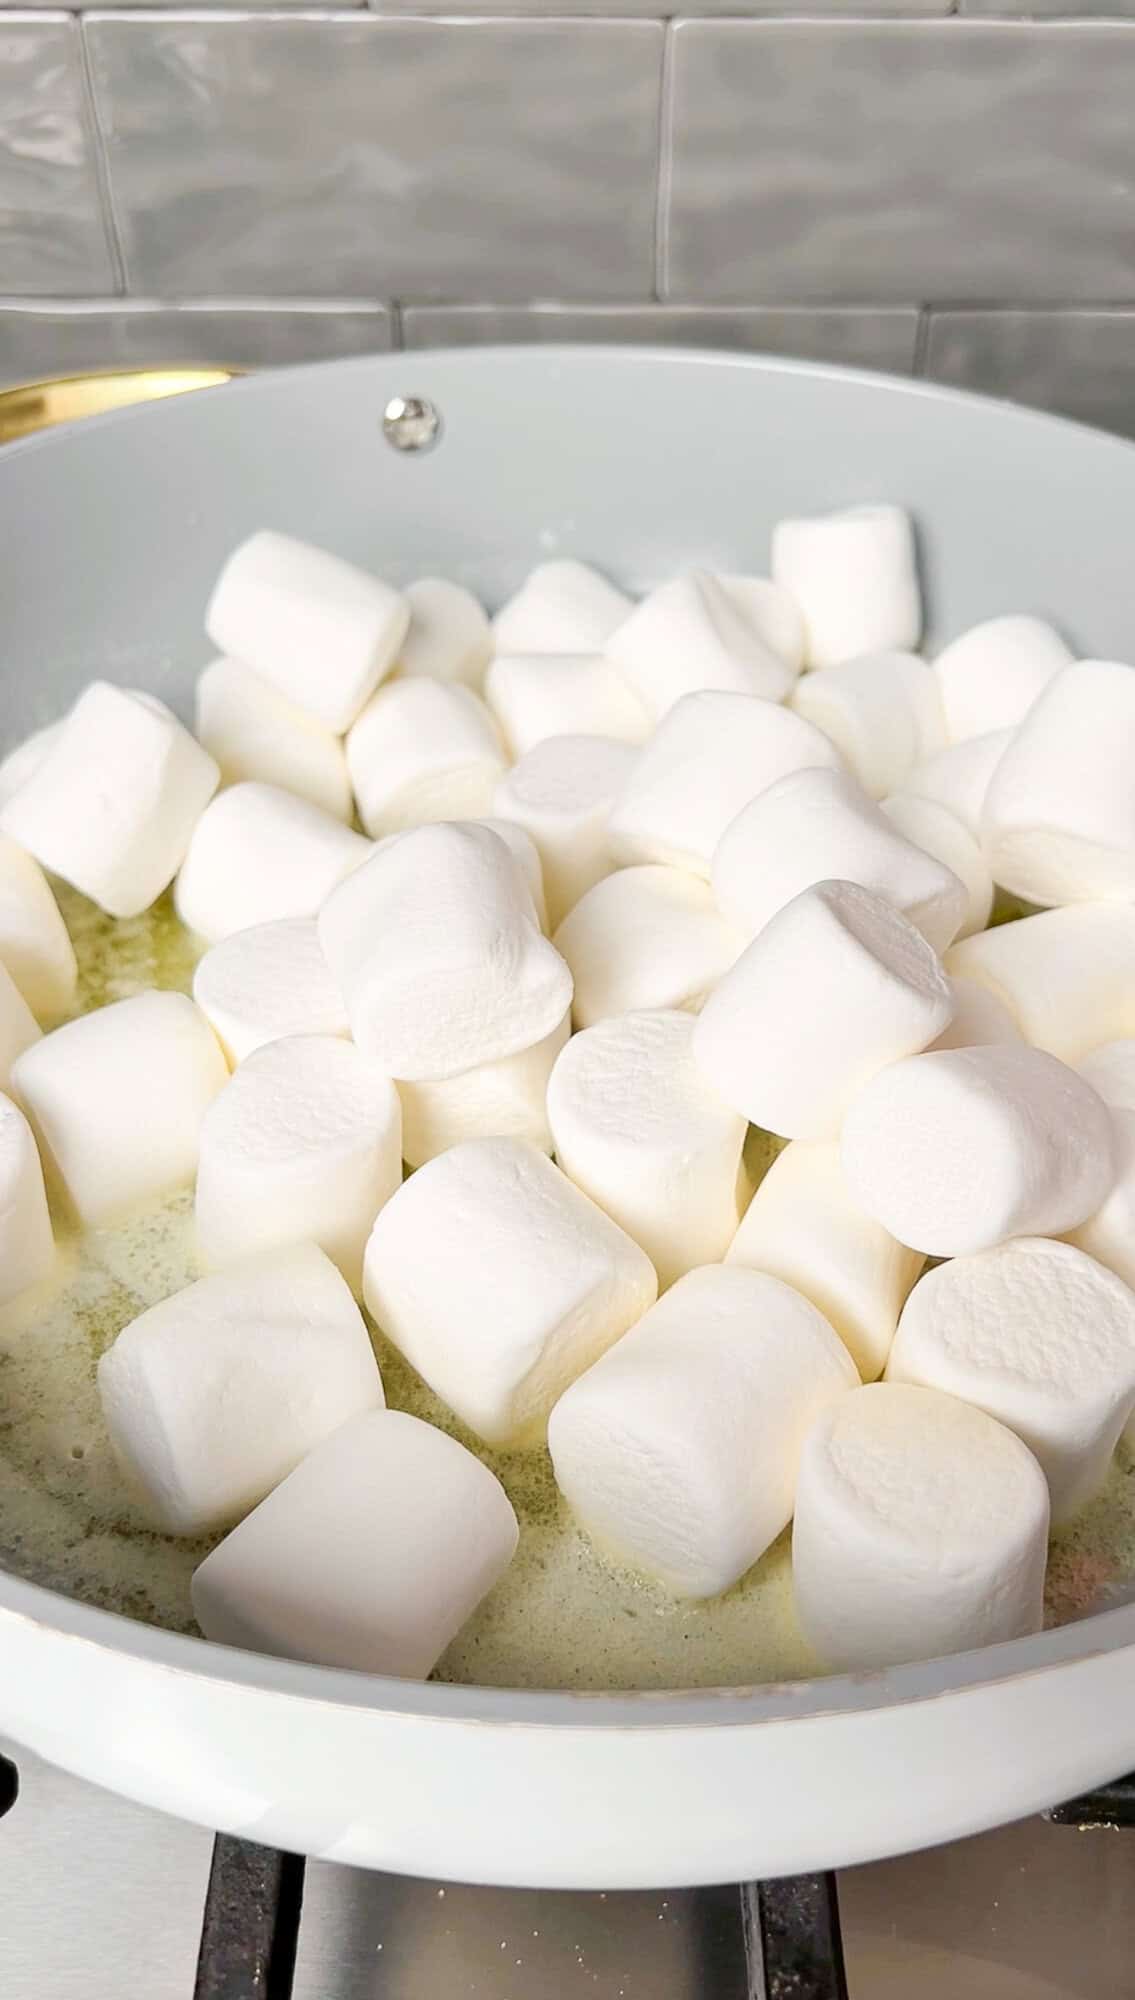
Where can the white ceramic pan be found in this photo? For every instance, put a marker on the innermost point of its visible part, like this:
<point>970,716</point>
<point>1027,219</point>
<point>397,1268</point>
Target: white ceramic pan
<point>109,536</point>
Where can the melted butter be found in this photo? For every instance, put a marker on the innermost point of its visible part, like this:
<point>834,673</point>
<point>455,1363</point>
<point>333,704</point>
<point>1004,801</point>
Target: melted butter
<point>563,1616</point>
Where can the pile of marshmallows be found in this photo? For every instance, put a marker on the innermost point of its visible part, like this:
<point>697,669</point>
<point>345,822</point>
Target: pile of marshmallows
<point>766,890</point>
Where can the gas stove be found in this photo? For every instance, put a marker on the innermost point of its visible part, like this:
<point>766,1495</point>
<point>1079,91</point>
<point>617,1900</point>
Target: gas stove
<point>101,1899</point>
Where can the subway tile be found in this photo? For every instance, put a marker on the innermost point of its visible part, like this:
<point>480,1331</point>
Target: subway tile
<point>956,161</point>
<point>663,8</point>
<point>1080,363</point>
<point>46,338</point>
<point>1056,9</point>
<point>858,337</point>
<point>52,234</point>
<point>355,155</point>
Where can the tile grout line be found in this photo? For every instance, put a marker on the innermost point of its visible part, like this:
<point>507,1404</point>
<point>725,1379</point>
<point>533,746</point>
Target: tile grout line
<point>921,342</point>
<point>663,169</point>
<point>101,162</point>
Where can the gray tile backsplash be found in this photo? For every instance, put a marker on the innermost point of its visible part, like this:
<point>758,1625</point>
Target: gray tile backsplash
<point>941,186</point>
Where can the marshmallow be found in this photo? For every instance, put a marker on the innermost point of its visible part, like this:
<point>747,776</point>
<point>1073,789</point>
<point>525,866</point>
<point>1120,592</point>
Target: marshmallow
<point>422,750</point>
<point>1110,1069</point>
<point>435,944</point>
<point>1040,1337</point>
<point>537,695</point>
<point>883,712</point>
<point>643,938</point>
<point>27,1247</point>
<point>113,804</point>
<point>679,1449</point>
<point>836,985</point>
<point>956,1150</point>
<point>710,754</point>
<point>979,1018</point>
<point>991,676</point>
<point>19,1028</point>
<point>804,1225</point>
<point>1066,976</point>
<point>116,1101</point>
<point>213,1396</point>
<point>259,854</point>
<point>740,634</point>
<point>523,850</point>
<point>266,982</point>
<point>24,761</point>
<point>561,793</point>
<point>938,832</point>
<point>502,1100</point>
<point>1109,1234</point>
<point>813,826</point>
<point>304,1144</point>
<point>854,577</point>
<point>34,945</point>
<point>253,732</point>
<point>921,1529</point>
<point>321,631</point>
<point>449,637</point>
<point>959,777</point>
<point>500,1283</point>
<point>561,607</point>
<point>635,1125</point>
<point>372,1554</point>
<point>1059,820</point>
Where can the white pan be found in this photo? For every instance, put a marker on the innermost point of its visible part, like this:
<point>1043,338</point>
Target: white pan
<point>110,534</point>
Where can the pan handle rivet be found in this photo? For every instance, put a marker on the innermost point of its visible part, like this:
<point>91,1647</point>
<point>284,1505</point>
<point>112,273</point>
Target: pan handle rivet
<point>411,423</point>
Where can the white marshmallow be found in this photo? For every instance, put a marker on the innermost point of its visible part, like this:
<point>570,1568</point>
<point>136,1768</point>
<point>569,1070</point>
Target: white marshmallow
<point>921,1529</point>
<point>679,1449</point>
<point>711,753</point>
<point>449,637</point>
<point>854,577</point>
<point>253,732</point>
<point>436,946</point>
<point>1110,1069</point>
<point>990,677</point>
<point>804,1225</point>
<point>522,847</point>
<point>266,982</point>
<point>1059,820</point>
<point>19,1028</point>
<point>1039,1336</point>
<point>113,804</point>
<point>506,1099</point>
<point>816,825</point>
<point>938,831</point>
<point>635,1125</point>
<point>835,985</point>
<point>561,793</point>
<point>537,695</point>
<point>372,1554</point>
<point>22,762</point>
<point>740,634</point>
<point>34,945</point>
<point>1066,976</point>
<point>500,1283</point>
<point>27,1247</point>
<point>959,776</point>
<point>643,938</point>
<point>561,607</point>
<point>259,854</point>
<point>883,712</point>
<point>304,1144</point>
<point>958,1149</point>
<point>213,1396</point>
<point>116,1101</point>
<point>423,750</point>
<point>1109,1234</point>
<point>321,631</point>
<point>980,1018</point>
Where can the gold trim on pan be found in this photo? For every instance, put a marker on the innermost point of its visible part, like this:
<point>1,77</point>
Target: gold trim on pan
<point>38,405</point>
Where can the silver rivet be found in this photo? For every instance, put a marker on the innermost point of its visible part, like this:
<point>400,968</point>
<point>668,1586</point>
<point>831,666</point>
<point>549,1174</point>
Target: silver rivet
<point>411,423</point>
